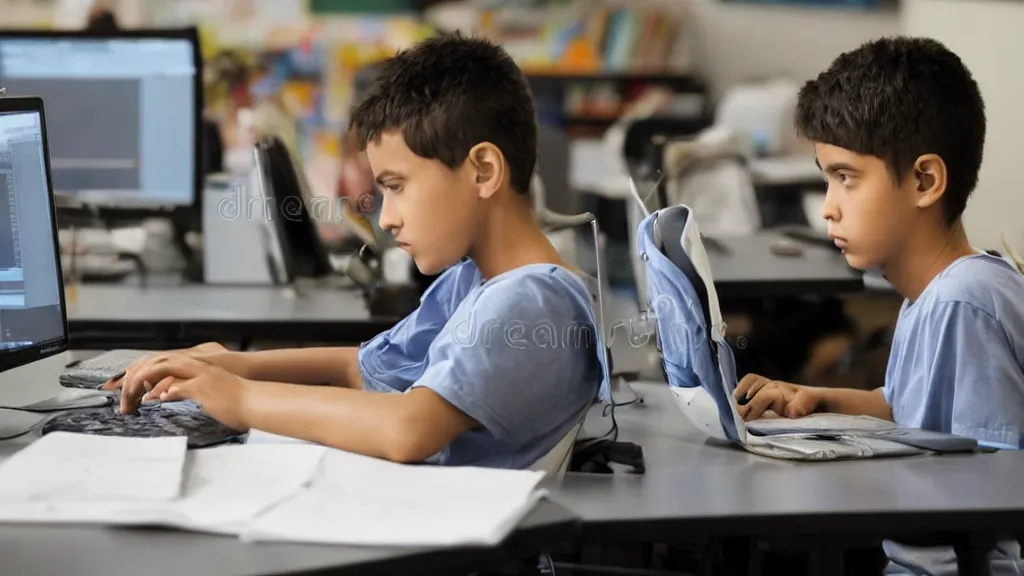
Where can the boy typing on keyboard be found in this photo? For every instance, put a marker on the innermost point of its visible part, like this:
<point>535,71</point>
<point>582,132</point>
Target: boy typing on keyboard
<point>500,361</point>
<point>898,127</point>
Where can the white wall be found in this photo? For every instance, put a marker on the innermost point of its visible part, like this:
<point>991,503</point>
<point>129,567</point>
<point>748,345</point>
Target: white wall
<point>986,36</point>
<point>738,42</point>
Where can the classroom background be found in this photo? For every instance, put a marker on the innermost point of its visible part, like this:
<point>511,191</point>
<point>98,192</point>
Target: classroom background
<point>620,88</point>
<point>690,100</point>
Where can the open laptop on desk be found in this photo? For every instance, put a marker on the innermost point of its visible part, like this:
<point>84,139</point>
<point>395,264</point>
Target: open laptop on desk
<point>701,371</point>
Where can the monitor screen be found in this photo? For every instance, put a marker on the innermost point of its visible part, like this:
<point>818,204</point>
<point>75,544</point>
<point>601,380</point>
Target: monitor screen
<point>120,112</point>
<point>31,302</point>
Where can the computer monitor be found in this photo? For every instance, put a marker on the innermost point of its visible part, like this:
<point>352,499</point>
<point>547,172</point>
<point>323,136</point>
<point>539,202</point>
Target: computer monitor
<point>33,318</point>
<point>287,209</point>
<point>124,112</point>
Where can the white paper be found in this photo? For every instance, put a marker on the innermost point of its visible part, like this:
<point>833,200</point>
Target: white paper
<point>63,466</point>
<point>356,500</point>
<point>226,487</point>
<point>230,485</point>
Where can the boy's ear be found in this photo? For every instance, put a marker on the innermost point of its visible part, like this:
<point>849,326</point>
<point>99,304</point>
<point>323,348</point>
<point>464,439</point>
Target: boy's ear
<point>929,177</point>
<point>488,166</point>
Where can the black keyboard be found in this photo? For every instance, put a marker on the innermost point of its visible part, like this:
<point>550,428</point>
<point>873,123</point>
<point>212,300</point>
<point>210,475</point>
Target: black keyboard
<point>151,421</point>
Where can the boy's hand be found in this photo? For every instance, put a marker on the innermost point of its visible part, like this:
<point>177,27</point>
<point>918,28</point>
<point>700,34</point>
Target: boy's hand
<point>180,377</point>
<point>206,351</point>
<point>756,394</point>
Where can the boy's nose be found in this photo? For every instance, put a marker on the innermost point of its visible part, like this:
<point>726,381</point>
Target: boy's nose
<point>829,210</point>
<point>388,219</point>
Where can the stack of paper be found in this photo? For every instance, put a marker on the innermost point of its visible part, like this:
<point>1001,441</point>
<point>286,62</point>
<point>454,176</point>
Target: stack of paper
<point>357,500</point>
<point>283,492</point>
<point>77,478</point>
<point>83,468</point>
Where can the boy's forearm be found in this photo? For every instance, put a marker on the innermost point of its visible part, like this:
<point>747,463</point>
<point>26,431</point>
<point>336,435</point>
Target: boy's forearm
<point>316,366</point>
<point>854,402</point>
<point>399,427</point>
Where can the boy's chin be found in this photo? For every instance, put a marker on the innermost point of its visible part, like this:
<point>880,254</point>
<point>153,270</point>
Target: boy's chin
<point>429,267</point>
<point>859,263</point>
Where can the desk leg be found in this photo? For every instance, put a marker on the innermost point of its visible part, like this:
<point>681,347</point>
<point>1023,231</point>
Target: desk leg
<point>827,560</point>
<point>972,557</point>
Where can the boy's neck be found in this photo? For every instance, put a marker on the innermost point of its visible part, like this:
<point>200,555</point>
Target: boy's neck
<point>925,257</point>
<point>510,238</point>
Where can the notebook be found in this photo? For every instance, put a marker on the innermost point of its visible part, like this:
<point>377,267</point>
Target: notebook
<point>700,367</point>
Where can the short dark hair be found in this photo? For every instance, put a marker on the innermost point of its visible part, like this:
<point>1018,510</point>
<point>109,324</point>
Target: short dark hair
<point>449,93</point>
<point>897,98</point>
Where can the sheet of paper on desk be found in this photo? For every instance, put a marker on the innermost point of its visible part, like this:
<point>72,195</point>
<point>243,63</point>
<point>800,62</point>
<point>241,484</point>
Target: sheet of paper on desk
<point>228,486</point>
<point>356,500</point>
<point>225,487</point>
<point>80,467</point>
<point>819,423</point>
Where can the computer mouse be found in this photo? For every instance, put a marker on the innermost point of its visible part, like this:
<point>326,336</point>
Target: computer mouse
<point>783,247</point>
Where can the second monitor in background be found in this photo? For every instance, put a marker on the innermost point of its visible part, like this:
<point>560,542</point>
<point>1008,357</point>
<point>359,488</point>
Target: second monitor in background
<point>124,112</point>
<point>290,221</point>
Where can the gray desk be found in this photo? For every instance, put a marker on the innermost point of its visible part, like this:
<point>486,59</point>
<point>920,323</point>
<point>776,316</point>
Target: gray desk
<point>38,549</point>
<point>696,488</point>
<point>748,268</point>
<point>81,550</point>
<point>109,316</point>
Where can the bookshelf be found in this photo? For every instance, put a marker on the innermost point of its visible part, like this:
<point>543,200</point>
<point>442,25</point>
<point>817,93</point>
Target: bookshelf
<point>585,104</point>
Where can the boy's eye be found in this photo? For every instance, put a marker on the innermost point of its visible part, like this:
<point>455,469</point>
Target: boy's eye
<point>390,187</point>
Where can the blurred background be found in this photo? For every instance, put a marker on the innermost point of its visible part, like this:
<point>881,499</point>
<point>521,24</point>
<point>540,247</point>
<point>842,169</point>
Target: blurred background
<point>636,88</point>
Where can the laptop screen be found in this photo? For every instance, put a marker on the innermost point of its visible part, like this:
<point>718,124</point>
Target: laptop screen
<point>31,299</point>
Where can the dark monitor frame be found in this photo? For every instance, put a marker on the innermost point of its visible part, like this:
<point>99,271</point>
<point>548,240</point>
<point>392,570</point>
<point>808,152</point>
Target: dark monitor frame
<point>11,359</point>
<point>185,215</point>
<point>304,252</point>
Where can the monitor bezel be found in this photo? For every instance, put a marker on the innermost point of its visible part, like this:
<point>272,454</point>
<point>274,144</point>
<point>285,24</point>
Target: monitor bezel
<point>11,359</point>
<point>184,214</point>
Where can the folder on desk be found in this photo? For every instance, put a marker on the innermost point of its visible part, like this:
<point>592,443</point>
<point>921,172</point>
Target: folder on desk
<point>701,370</point>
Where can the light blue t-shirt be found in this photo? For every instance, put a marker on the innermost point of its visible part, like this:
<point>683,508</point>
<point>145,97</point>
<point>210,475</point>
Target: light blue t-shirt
<point>957,366</point>
<point>517,353</point>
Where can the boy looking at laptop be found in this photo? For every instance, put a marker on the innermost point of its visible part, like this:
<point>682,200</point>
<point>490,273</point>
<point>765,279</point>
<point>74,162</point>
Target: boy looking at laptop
<point>898,127</point>
<point>500,360</point>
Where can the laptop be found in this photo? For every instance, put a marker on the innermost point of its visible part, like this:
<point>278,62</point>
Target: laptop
<point>700,367</point>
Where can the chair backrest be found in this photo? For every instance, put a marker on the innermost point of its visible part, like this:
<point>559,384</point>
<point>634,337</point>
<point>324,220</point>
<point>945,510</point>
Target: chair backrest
<point>684,305</point>
<point>556,461</point>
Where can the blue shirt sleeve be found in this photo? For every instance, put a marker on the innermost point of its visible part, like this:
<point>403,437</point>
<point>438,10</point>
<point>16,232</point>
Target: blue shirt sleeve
<point>975,371</point>
<point>395,358</point>
<point>521,360</point>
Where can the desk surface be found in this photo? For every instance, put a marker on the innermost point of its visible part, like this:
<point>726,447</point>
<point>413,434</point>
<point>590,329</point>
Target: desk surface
<point>692,487</point>
<point>199,302</point>
<point>101,550</point>
<point>745,266</point>
<point>116,313</point>
<point>113,551</point>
